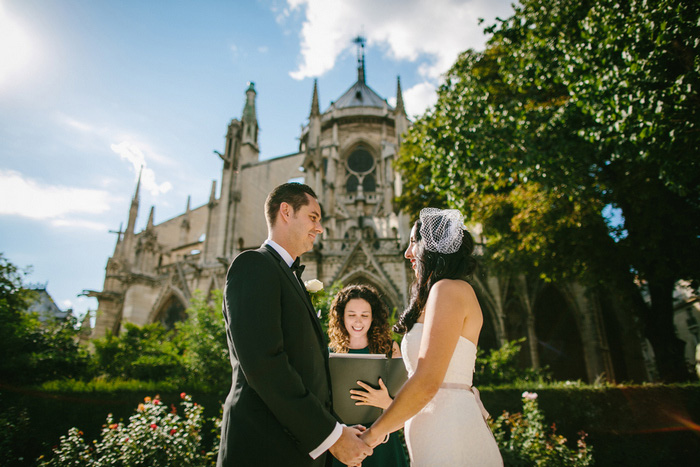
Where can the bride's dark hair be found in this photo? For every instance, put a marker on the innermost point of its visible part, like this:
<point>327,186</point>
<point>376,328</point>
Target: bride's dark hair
<point>432,267</point>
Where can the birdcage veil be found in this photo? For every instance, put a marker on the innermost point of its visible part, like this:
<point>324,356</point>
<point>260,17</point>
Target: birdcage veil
<point>442,230</point>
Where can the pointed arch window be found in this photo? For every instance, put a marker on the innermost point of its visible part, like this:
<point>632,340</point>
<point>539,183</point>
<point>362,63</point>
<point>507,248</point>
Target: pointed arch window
<point>352,183</point>
<point>361,170</point>
<point>369,184</point>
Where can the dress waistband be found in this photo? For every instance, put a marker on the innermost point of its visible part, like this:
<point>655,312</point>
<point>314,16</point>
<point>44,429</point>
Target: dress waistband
<point>472,389</point>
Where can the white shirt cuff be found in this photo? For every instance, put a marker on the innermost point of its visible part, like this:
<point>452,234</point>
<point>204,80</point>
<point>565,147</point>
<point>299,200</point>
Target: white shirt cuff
<point>330,441</point>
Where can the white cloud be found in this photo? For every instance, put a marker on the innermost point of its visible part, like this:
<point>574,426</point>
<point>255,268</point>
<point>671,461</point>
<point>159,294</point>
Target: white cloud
<point>419,97</point>
<point>432,32</point>
<point>80,224</point>
<point>132,153</point>
<point>25,197</point>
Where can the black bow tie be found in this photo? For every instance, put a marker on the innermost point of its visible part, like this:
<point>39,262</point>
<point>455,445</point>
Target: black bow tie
<point>297,268</point>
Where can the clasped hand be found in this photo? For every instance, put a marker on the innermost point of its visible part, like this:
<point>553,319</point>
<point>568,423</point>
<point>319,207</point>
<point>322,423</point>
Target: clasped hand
<point>350,449</point>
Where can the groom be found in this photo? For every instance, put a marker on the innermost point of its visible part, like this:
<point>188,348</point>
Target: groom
<point>279,410</point>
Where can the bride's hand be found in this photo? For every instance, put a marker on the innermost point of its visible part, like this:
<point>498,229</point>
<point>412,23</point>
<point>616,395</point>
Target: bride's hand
<point>370,396</point>
<point>371,439</point>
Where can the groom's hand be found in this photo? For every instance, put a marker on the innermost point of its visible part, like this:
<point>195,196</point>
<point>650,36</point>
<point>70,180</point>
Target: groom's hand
<point>350,449</point>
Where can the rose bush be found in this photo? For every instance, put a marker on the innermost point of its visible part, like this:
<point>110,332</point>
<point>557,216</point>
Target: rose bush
<point>524,439</point>
<point>155,435</point>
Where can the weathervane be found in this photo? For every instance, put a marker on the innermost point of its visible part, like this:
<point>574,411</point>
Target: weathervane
<point>360,41</point>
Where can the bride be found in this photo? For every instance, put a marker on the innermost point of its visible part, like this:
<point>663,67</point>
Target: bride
<point>445,423</point>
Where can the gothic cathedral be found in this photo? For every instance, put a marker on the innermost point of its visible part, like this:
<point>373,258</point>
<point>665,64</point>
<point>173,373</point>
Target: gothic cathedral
<point>345,155</point>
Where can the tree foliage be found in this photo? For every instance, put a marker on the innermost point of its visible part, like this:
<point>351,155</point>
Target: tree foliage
<point>34,352</point>
<point>574,109</point>
<point>148,353</point>
<point>195,352</point>
<point>203,337</point>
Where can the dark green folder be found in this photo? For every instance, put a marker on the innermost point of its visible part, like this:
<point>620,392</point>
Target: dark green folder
<point>347,369</point>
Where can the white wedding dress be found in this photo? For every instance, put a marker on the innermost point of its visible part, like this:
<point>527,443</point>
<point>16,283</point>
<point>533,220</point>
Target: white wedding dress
<point>450,430</point>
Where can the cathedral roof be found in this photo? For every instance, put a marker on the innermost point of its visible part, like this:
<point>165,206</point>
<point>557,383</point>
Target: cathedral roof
<point>360,95</point>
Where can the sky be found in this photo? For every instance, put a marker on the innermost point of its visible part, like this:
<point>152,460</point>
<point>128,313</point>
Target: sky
<point>91,91</point>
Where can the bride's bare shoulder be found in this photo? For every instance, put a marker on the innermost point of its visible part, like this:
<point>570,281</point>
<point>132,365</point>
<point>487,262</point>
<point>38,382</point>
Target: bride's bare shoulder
<point>452,287</point>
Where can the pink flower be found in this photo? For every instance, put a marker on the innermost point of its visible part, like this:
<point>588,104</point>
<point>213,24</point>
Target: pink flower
<point>530,396</point>
<point>156,402</point>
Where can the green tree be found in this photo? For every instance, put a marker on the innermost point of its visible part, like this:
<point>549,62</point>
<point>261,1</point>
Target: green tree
<point>203,337</point>
<point>574,108</point>
<point>149,353</point>
<point>16,325</point>
<point>56,352</point>
<point>32,351</point>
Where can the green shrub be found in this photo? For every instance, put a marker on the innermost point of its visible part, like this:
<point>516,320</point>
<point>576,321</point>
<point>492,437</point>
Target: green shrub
<point>148,352</point>
<point>322,301</point>
<point>500,367</point>
<point>203,339</point>
<point>155,435</point>
<point>56,352</point>
<point>524,440</point>
<point>107,385</point>
<point>14,423</point>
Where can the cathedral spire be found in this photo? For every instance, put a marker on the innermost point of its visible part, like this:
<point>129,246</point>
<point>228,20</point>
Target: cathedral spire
<point>314,101</point>
<point>360,41</point>
<point>149,224</point>
<point>138,187</point>
<point>399,97</point>
<point>134,210</point>
<point>250,119</point>
<point>212,195</point>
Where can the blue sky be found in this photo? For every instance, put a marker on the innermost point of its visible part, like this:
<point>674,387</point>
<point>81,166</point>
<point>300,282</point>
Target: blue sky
<point>92,90</point>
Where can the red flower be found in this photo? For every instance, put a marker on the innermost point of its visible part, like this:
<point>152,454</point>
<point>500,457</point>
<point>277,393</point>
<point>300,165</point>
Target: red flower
<point>183,395</point>
<point>113,426</point>
<point>156,402</point>
<point>173,409</point>
<point>172,432</point>
<point>153,426</point>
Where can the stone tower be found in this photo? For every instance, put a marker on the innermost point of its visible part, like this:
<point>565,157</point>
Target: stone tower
<point>349,152</point>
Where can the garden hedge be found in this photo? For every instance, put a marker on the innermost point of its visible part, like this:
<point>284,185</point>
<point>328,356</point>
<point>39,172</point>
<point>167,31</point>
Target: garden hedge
<point>646,425</point>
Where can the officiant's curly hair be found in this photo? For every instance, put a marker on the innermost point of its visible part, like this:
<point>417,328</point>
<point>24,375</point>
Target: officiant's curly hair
<point>379,333</point>
<point>431,267</point>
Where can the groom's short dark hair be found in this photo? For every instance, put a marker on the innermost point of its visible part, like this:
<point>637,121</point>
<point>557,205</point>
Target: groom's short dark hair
<point>292,193</point>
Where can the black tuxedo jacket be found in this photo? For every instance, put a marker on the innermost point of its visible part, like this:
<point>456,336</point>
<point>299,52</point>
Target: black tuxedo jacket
<point>280,407</point>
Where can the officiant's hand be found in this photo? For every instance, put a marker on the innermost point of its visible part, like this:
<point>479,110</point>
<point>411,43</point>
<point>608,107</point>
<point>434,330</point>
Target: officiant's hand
<point>370,396</point>
<point>350,449</point>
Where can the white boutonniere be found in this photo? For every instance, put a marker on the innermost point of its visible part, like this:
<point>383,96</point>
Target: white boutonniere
<point>313,286</point>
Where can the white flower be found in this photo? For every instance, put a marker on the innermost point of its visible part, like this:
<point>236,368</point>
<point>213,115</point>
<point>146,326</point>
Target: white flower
<point>531,396</point>
<point>313,286</point>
